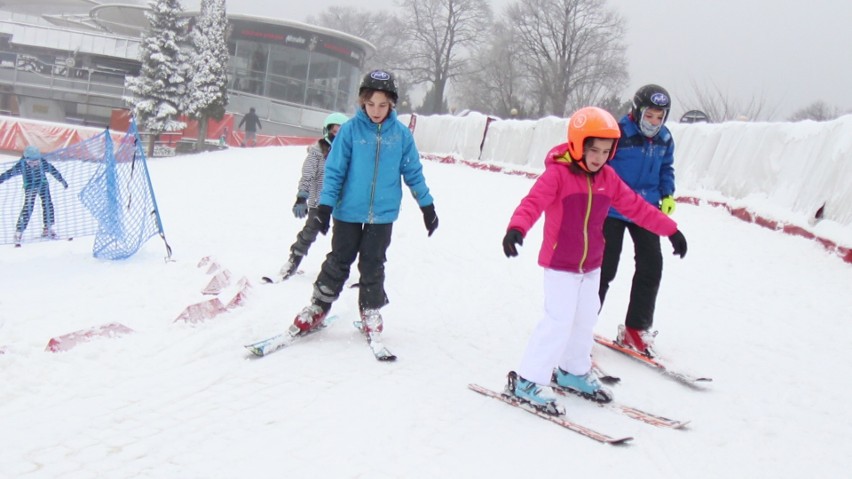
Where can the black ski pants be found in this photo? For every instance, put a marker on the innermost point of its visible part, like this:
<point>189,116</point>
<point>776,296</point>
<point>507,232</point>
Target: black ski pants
<point>307,236</point>
<point>368,242</point>
<point>647,275</point>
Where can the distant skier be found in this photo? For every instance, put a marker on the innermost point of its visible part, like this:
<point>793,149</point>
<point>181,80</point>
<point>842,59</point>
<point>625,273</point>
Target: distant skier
<point>252,123</point>
<point>34,168</point>
<point>645,161</point>
<point>575,192</point>
<point>310,186</point>
<point>372,155</point>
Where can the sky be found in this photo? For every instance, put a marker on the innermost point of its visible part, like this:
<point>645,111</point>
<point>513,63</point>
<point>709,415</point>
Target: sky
<point>783,55</point>
<point>186,400</point>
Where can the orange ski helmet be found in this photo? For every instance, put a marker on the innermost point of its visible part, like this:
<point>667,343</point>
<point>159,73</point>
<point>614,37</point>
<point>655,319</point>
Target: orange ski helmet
<point>590,122</point>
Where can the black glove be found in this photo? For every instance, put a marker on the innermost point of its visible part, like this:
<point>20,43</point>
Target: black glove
<point>430,218</point>
<point>513,237</point>
<point>679,243</point>
<point>65,184</point>
<point>323,218</point>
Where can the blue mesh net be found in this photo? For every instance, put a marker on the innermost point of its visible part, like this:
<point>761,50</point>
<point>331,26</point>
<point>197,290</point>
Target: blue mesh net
<point>109,194</point>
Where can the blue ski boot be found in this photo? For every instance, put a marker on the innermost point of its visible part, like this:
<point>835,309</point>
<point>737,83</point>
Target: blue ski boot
<point>586,385</point>
<point>538,396</point>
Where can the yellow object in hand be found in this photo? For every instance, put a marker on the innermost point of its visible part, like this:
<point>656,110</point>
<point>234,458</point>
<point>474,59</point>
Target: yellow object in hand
<point>667,205</point>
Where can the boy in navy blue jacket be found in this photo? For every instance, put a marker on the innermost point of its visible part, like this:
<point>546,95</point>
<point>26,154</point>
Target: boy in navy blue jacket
<point>644,159</point>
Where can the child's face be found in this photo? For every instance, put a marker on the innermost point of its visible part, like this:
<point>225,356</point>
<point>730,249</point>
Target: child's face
<point>378,106</point>
<point>597,153</point>
<point>654,116</point>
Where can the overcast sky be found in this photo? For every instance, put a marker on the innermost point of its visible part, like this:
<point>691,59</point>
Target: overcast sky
<point>789,56</point>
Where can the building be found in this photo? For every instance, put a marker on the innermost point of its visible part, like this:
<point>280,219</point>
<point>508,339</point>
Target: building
<point>70,67</point>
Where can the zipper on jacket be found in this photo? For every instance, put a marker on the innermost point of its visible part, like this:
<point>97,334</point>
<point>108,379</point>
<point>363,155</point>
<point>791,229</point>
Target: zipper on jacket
<point>586,224</point>
<point>371,216</point>
<point>649,154</point>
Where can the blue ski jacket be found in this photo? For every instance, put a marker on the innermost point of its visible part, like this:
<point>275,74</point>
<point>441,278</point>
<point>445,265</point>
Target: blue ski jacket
<point>365,169</point>
<point>645,164</point>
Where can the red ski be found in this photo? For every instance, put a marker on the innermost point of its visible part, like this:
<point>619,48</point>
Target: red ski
<point>656,363</point>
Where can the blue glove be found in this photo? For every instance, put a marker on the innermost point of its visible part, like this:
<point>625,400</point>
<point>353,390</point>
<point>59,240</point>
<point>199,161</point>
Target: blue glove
<point>300,208</point>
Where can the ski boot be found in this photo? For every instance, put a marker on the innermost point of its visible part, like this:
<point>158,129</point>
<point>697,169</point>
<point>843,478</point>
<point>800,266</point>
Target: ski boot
<point>49,233</point>
<point>586,386</point>
<point>539,397</point>
<point>18,236</point>
<point>371,321</point>
<point>311,317</point>
<point>291,266</point>
<point>637,340</point>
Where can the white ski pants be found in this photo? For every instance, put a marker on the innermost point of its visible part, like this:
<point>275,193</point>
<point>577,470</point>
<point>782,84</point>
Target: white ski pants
<point>565,334</point>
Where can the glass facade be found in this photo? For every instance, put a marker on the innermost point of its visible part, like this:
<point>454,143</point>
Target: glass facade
<point>294,66</point>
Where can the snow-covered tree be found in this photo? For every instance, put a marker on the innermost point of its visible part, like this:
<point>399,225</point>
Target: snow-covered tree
<point>208,85</point>
<point>159,92</point>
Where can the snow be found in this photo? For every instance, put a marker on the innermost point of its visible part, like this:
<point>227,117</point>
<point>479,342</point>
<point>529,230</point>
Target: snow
<point>784,172</point>
<point>753,308</point>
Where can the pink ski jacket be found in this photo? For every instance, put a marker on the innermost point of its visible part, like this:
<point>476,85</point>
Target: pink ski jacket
<point>575,205</point>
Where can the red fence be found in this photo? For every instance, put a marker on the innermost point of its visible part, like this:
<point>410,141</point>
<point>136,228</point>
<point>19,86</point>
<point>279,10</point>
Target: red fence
<point>18,133</point>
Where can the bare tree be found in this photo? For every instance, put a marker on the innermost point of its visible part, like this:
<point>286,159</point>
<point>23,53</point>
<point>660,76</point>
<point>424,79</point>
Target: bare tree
<point>437,33</point>
<point>384,30</point>
<point>615,105</point>
<point>817,111</point>
<point>496,80</point>
<point>720,106</point>
<point>573,50</point>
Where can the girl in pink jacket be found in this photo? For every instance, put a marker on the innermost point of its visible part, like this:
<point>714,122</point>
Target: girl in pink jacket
<point>575,192</point>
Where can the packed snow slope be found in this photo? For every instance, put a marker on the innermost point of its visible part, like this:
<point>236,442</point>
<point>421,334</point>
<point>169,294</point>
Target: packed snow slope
<point>757,310</point>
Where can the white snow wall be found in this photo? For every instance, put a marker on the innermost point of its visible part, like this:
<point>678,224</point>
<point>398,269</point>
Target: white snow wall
<point>789,169</point>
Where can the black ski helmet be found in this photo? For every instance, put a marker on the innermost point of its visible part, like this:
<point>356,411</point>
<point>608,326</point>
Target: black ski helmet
<point>380,80</point>
<point>650,96</point>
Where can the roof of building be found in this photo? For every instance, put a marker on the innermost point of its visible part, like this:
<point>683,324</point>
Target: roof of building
<point>126,18</point>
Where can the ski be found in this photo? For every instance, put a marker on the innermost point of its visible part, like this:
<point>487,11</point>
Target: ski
<point>560,419</point>
<point>374,340</point>
<point>279,277</point>
<point>656,363</point>
<point>604,376</point>
<point>279,341</point>
<point>629,411</point>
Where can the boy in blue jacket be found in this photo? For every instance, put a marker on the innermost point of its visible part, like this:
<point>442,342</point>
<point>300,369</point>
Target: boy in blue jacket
<point>644,159</point>
<point>34,168</point>
<point>372,155</point>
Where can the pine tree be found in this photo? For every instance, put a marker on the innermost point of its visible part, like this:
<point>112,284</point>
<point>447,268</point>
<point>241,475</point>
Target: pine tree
<point>208,85</point>
<point>159,92</point>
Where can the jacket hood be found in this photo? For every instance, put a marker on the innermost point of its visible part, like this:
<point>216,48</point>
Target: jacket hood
<point>558,155</point>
